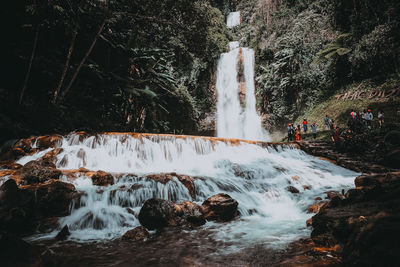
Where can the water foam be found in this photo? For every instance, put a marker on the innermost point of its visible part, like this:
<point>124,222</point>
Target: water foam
<point>256,177</point>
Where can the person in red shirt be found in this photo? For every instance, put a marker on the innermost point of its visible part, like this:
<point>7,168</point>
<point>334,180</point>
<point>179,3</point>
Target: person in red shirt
<point>305,125</point>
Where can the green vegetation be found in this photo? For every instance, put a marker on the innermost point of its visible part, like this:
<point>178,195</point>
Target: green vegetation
<point>108,65</point>
<point>309,50</point>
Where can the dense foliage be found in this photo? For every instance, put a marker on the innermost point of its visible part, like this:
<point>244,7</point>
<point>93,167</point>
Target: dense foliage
<point>131,65</point>
<point>308,49</point>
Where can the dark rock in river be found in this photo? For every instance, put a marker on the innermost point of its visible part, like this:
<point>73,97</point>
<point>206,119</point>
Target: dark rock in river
<point>189,213</point>
<point>38,172</point>
<point>157,213</point>
<point>220,207</point>
<point>102,178</point>
<point>54,199</point>
<point>63,234</point>
<point>138,234</point>
<point>292,189</point>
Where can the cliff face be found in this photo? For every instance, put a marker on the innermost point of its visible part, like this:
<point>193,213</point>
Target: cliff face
<point>308,50</point>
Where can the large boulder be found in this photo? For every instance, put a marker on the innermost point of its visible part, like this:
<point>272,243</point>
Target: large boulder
<point>54,199</point>
<point>48,141</point>
<point>189,213</point>
<point>16,209</point>
<point>138,234</point>
<point>102,178</point>
<point>38,172</point>
<point>220,207</point>
<point>157,213</point>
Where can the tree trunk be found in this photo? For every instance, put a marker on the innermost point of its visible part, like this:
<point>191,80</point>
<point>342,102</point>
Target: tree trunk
<point>30,65</point>
<point>66,66</point>
<point>63,94</point>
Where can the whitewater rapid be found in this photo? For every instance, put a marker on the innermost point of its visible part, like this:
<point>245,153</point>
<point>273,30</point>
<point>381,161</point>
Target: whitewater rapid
<point>256,177</point>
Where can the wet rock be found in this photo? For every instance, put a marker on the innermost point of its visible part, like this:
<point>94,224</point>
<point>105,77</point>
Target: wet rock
<point>132,212</point>
<point>365,223</point>
<point>316,207</point>
<point>220,207</point>
<point>157,213</point>
<point>10,166</point>
<point>318,198</point>
<point>48,141</point>
<point>292,189</point>
<point>54,199</point>
<point>138,234</point>
<point>102,178</point>
<point>164,178</point>
<point>307,187</point>
<point>63,234</point>
<point>189,213</point>
<point>17,252</point>
<point>332,194</point>
<point>51,156</point>
<point>38,172</point>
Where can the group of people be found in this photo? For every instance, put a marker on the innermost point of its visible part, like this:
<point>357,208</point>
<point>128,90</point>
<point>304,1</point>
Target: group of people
<point>363,119</point>
<point>356,122</point>
<point>294,133</point>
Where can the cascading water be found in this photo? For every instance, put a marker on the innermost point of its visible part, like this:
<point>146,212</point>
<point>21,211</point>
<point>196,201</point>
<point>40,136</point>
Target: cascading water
<point>233,120</point>
<point>233,19</point>
<point>256,177</point>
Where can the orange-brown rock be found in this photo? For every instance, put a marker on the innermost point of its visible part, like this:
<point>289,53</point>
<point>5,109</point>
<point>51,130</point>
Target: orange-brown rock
<point>102,178</point>
<point>10,166</point>
<point>316,207</point>
<point>51,156</point>
<point>309,222</point>
<point>38,172</point>
<point>48,141</point>
<point>25,144</point>
<point>220,207</point>
<point>138,234</point>
<point>186,180</point>
<point>190,212</point>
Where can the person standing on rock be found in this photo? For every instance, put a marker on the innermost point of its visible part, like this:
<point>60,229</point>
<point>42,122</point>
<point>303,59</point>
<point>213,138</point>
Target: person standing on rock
<point>369,117</point>
<point>305,125</point>
<point>381,117</point>
<point>298,135</point>
<point>327,120</point>
<point>290,132</point>
<point>314,130</point>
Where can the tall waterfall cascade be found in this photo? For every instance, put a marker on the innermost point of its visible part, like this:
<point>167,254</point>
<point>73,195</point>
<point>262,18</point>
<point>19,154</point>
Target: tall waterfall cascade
<point>256,176</point>
<point>237,118</point>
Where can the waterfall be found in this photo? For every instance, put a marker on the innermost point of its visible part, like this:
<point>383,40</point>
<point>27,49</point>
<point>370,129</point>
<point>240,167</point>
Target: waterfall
<point>237,118</point>
<point>233,19</point>
<point>257,177</point>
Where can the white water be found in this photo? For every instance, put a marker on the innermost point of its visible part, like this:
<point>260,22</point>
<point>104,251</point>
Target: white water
<point>233,120</point>
<point>233,19</point>
<point>256,177</point>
